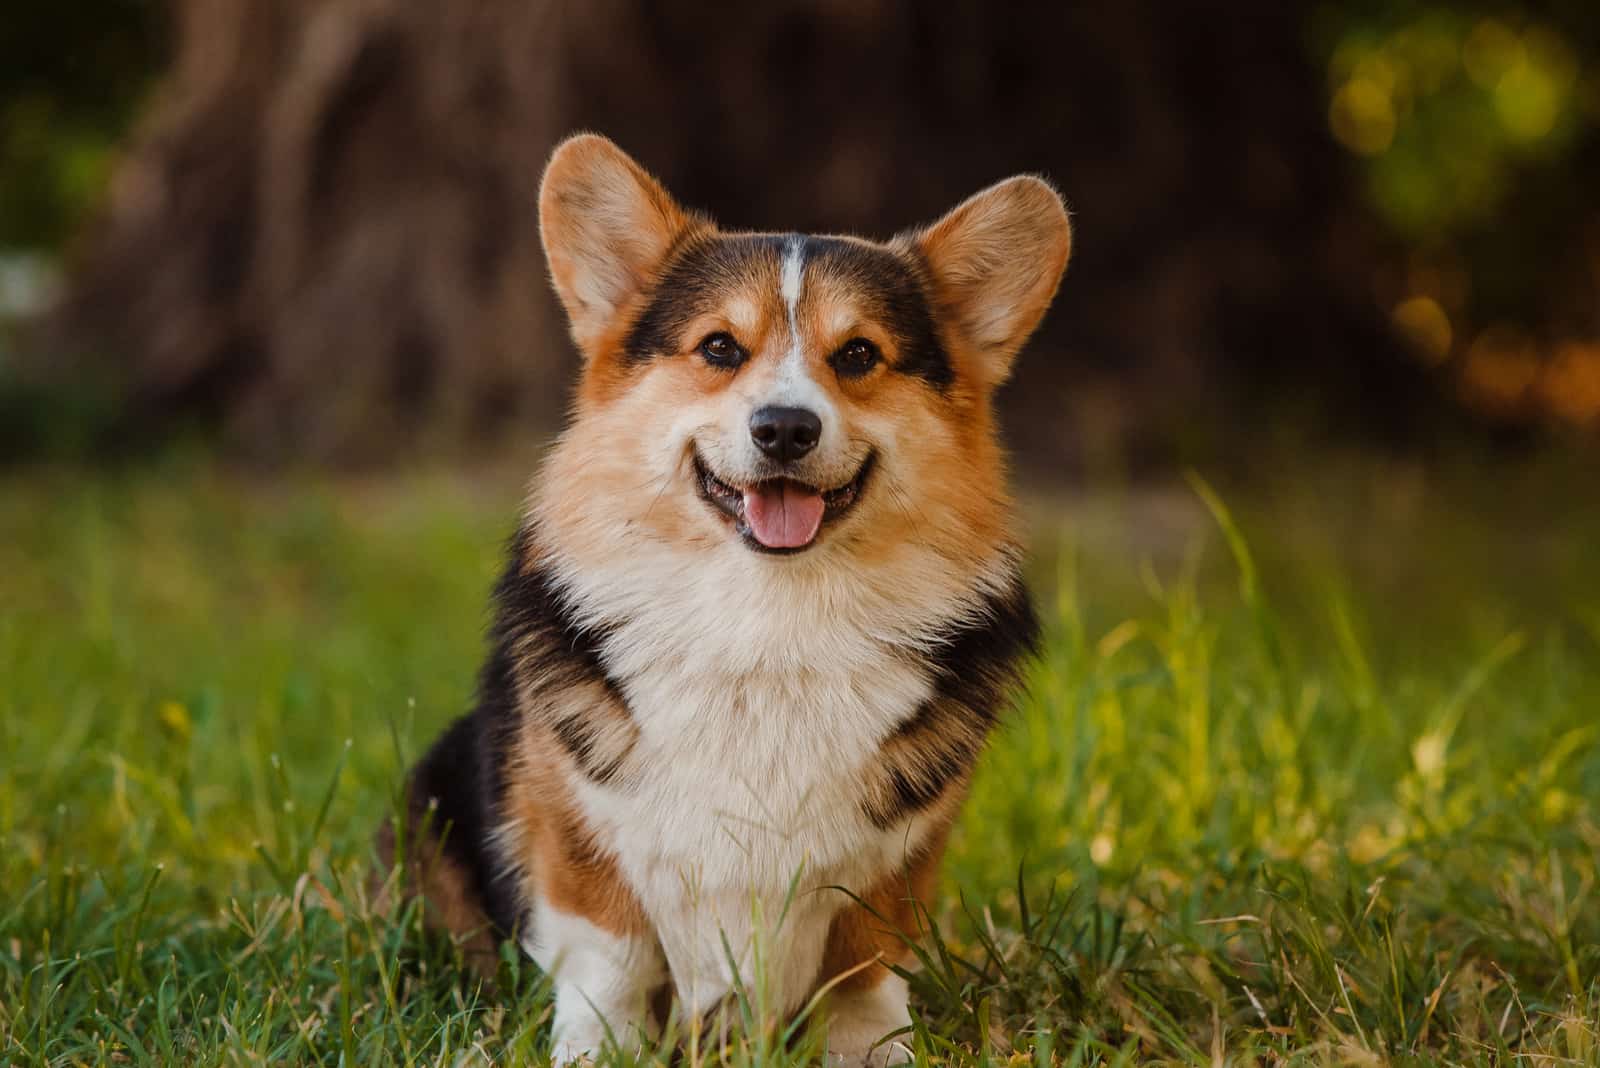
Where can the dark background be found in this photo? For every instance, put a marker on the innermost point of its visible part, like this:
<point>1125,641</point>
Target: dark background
<point>304,230</point>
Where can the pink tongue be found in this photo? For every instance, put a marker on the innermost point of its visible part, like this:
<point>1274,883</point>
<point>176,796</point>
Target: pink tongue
<point>783,515</point>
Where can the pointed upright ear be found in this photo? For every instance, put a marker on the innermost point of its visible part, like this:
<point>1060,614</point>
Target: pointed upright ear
<point>996,261</point>
<point>606,226</point>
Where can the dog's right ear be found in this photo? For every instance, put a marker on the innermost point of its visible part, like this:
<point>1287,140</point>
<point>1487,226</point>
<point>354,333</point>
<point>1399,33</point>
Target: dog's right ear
<point>606,226</point>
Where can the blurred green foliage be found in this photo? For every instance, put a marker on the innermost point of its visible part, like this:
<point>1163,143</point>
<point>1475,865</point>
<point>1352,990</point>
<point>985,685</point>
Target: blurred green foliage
<point>73,77</point>
<point>1477,131</point>
<point>1447,108</point>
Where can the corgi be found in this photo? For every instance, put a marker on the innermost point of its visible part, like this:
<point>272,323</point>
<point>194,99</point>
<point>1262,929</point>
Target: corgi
<point>763,609</point>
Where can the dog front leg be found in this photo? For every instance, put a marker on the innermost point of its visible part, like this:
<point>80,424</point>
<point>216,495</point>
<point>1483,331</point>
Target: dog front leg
<point>603,982</point>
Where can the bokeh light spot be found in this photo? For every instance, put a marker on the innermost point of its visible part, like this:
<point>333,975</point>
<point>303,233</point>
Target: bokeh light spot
<point>1426,326</point>
<point>1490,50</point>
<point>1362,116</point>
<point>1570,385</point>
<point>1500,371</point>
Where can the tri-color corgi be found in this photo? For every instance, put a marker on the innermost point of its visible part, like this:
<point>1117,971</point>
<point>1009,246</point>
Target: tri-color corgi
<point>762,611</point>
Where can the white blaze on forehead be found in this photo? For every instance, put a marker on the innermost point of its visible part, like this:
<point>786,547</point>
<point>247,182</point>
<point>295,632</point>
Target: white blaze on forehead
<point>793,262</point>
<point>795,387</point>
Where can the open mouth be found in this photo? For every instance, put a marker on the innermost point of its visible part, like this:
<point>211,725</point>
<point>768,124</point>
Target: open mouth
<point>780,515</point>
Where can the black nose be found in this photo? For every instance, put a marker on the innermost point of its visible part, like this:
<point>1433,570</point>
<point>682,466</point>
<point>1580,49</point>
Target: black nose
<point>785,433</point>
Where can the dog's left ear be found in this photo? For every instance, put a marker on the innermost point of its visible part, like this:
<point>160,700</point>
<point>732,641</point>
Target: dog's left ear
<point>606,226</point>
<point>997,260</point>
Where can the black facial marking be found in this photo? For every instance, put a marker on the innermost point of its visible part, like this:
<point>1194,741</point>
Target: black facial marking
<point>973,672</point>
<point>693,279</point>
<point>894,286</point>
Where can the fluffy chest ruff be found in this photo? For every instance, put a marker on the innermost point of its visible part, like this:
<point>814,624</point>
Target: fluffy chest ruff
<point>740,806</point>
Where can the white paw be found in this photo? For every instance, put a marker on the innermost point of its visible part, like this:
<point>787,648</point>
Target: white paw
<point>861,1021</point>
<point>894,1051</point>
<point>576,1048</point>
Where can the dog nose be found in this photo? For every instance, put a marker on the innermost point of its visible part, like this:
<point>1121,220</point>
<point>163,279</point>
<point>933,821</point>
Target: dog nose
<point>785,433</point>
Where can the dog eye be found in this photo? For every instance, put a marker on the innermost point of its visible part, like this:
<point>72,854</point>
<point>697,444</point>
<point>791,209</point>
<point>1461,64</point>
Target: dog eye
<point>855,358</point>
<point>720,350</point>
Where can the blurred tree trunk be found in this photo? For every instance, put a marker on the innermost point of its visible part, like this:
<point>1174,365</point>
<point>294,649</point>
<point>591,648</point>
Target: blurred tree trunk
<point>324,239</point>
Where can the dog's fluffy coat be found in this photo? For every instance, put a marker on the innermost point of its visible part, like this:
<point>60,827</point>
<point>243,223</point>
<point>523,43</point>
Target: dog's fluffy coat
<point>683,717</point>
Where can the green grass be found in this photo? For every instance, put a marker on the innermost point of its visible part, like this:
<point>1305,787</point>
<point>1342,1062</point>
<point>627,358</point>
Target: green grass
<point>1336,801</point>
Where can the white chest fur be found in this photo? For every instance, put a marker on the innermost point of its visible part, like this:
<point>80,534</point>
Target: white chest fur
<point>743,787</point>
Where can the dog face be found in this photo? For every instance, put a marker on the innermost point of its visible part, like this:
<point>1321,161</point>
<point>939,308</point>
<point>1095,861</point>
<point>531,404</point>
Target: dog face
<point>785,395</point>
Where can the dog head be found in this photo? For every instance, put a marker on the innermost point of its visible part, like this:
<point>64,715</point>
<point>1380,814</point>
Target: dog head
<point>787,396</point>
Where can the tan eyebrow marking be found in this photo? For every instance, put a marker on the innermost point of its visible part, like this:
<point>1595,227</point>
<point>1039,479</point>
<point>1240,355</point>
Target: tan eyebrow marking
<point>743,314</point>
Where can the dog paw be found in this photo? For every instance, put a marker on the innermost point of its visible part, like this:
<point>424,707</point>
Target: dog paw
<point>870,1027</point>
<point>575,1049</point>
<point>894,1051</point>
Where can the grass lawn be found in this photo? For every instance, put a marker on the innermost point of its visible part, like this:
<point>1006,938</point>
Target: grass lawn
<point>1334,797</point>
